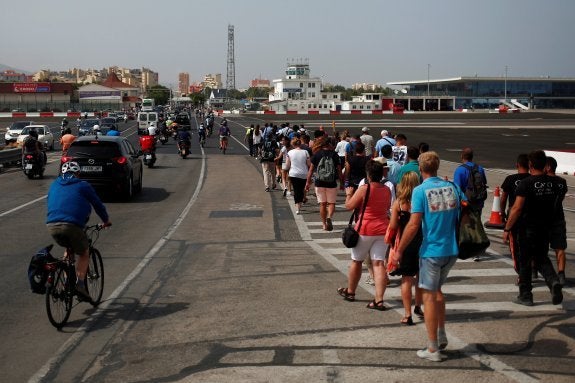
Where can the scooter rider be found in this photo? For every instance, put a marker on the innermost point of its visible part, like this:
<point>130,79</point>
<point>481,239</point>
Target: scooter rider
<point>148,141</point>
<point>31,145</point>
<point>184,137</point>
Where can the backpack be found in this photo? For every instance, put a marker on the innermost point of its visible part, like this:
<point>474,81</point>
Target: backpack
<point>37,273</point>
<point>476,190</point>
<point>326,169</point>
<point>268,150</point>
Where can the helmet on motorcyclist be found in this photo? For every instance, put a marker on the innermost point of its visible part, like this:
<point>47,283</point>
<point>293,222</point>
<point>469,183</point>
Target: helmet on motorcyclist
<point>33,133</point>
<point>70,167</point>
<point>96,128</point>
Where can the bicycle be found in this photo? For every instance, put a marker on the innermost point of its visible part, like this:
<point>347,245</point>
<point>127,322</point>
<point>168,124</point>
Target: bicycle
<point>223,143</point>
<point>61,284</point>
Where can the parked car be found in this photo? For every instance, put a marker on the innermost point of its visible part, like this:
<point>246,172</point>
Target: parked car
<point>45,136</point>
<point>14,130</point>
<point>110,163</point>
<point>87,125</point>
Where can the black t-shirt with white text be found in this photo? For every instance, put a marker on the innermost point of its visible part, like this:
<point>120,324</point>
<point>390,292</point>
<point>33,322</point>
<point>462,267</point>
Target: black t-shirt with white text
<point>542,194</point>
<point>510,184</point>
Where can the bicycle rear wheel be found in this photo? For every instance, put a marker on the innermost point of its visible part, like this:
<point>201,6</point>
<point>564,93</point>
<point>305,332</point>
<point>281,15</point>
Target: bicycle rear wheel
<point>95,277</point>
<point>59,298</point>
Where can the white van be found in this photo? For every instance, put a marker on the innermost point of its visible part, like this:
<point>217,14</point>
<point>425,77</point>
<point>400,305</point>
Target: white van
<point>144,120</point>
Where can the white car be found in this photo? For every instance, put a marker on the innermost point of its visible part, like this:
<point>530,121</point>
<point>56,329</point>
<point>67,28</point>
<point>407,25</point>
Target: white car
<point>14,130</point>
<point>45,136</point>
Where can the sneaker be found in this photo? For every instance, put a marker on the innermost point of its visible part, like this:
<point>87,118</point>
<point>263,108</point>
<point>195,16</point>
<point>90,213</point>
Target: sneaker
<point>369,281</point>
<point>267,189</point>
<point>523,301</point>
<point>297,212</point>
<point>288,193</point>
<point>82,292</point>
<point>442,341</point>
<point>561,276</point>
<point>556,293</point>
<point>476,258</point>
<point>432,356</point>
<point>328,224</point>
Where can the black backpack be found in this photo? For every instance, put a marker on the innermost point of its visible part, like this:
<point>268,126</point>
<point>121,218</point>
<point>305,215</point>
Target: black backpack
<point>37,273</point>
<point>269,150</point>
<point>476,190</point>
<point>326,169</point>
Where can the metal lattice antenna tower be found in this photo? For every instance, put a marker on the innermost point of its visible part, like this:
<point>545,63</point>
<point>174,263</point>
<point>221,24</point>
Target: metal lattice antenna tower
<point>231,75</point>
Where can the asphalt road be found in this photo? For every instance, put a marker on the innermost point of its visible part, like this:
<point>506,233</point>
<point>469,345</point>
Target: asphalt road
<point>209,278</point>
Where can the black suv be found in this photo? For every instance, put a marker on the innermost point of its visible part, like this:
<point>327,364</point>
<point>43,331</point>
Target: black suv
<point>183,121</point>
<point>110,163</point>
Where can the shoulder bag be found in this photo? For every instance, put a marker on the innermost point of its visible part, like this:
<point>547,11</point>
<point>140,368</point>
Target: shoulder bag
<point>349,235</point>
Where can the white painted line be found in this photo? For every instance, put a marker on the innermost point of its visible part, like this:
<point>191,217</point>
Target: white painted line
<point>334,223</point>
<point>506,272</point>
<point>77,336</point>
<point>488,361</point>
<point>501,306</point>
<point>22,206</point>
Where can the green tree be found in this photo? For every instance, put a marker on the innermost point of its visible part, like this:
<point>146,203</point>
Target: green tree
<point>257,92</point>
<point>198,99</point>
<point>160,94</point>
<point>235,94</point>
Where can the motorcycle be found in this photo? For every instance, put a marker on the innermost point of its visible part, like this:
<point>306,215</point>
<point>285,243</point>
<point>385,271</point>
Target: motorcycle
<point>163,137</point>
<point>149,158</point>
<point>32,166</point>
<point>184,148</point>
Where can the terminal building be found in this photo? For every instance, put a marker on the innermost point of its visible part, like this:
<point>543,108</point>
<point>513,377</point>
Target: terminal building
<point>486,93</point>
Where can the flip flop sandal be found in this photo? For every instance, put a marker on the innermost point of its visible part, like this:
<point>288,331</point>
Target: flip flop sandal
<point>407,321</point>
<point>347,296</point>
<point>373,305</point>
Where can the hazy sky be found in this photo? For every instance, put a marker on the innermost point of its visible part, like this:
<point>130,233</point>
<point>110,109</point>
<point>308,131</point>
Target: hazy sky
<point>345,41</point>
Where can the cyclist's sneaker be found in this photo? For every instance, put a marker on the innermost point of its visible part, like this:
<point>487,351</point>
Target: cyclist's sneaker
<point>82,292</point>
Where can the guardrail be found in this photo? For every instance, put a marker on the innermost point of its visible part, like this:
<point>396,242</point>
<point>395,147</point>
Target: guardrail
<point>10,157</point>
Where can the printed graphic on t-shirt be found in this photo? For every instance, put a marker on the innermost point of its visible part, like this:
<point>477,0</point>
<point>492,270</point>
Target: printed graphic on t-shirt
<point>441,199</point>
<point>400,154</point>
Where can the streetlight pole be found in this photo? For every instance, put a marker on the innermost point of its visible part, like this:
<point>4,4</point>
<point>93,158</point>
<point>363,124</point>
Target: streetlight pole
<point>505,83</point>
<point>428,66</point>
<point>427,100</point>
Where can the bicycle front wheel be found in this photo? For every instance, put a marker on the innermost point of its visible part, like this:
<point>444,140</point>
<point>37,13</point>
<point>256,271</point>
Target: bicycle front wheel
<point>59,298</point>
<point>95,277</point>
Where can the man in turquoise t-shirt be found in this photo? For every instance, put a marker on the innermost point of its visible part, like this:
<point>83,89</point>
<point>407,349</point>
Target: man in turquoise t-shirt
<point>411,165</point>
<point>435,206</point>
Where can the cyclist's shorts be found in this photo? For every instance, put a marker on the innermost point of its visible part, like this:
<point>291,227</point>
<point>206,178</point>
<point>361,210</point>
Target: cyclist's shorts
<point>69,236</point>
<point>223,138</point>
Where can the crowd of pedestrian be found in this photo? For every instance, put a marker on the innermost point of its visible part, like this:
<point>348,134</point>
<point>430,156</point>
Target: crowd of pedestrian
<point>407,217</point>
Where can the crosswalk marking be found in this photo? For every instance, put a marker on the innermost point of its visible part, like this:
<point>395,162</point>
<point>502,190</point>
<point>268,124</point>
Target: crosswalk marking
<point>486,267</point>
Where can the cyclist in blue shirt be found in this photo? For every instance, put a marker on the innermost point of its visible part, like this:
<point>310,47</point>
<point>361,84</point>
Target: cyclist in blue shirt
<point>70,202</point>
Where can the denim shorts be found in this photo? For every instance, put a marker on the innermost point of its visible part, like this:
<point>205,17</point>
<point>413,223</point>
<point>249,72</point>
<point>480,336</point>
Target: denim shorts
<point>433,271</point>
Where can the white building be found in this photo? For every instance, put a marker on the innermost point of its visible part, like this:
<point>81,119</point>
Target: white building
<point>298,92</point>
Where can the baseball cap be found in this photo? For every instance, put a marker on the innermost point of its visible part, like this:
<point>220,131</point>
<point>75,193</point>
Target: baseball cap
<point>365,129</point>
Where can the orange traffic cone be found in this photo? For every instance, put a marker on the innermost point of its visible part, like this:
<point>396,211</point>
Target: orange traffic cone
<point>495,221</point>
